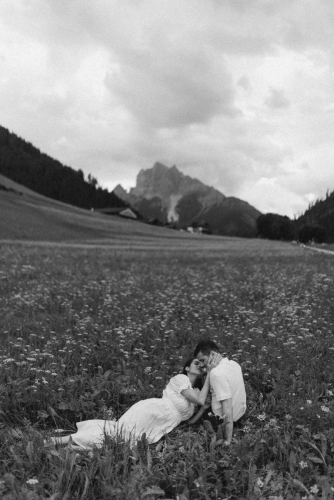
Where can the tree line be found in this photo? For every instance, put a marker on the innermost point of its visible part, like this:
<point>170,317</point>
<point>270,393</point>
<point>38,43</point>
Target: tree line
<point>320,215</point>
<point>316,224</point>
<point>22,162</point>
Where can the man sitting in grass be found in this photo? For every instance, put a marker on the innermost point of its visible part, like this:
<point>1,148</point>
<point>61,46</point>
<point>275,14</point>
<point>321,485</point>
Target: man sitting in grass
<point>227,387</point>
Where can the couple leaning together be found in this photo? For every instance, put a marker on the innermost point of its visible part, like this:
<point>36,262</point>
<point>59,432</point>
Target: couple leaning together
<point>158,416</point>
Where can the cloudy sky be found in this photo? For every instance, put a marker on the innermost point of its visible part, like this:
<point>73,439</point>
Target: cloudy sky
<point>238,93</point>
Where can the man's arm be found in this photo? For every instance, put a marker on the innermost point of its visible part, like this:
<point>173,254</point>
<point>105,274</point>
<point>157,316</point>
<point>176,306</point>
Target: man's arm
<point>227,411</point>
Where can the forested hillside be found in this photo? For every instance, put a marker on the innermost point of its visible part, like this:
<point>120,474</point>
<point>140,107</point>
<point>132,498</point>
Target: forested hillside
<point>25,164</point>
<point>321,213</point>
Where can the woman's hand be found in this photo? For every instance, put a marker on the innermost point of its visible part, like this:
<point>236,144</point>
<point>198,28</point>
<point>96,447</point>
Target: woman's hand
<point>213,361</point>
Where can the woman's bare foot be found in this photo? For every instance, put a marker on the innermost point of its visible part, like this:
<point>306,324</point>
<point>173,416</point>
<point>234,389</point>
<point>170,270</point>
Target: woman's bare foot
<point>57,441</point>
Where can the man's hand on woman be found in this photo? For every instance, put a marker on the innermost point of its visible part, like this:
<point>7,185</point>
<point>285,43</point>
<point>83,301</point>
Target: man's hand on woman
<point>214,360</point>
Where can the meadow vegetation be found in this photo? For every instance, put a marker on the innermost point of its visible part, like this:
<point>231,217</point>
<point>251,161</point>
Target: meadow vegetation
<point>86,332</point>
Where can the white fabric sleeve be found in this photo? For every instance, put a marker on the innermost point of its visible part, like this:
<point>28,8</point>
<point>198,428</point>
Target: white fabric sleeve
<point>179,383</point>
<point>220,386</point>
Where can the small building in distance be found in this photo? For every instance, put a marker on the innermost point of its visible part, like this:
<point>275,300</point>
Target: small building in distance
<point>125,212</point>
<point>198,229</point>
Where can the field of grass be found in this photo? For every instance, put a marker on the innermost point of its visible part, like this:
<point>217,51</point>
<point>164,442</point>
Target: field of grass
<point>87,331</point>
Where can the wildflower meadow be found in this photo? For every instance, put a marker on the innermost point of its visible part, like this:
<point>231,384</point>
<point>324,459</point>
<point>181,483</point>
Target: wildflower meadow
<point>86,332</point>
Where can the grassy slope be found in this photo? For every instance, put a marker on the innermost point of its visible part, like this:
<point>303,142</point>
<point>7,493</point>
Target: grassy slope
<point>30,216</point>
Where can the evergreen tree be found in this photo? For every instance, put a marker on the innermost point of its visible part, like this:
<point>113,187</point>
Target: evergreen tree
<point>25,164</point>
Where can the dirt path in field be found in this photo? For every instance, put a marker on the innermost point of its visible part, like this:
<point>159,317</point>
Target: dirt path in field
<point>322,250</point>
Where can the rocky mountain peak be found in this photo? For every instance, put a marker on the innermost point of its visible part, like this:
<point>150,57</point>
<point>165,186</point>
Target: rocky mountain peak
<point>122,194</point>
<point>119,190</point>
<point>158,181</point>
<point>169,184</point>
<point>165,194</point>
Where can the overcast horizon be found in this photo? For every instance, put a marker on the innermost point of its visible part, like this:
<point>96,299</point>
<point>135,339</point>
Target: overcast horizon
<point>236,93</point>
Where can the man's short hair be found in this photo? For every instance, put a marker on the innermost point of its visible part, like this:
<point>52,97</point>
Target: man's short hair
<point>205,347</point>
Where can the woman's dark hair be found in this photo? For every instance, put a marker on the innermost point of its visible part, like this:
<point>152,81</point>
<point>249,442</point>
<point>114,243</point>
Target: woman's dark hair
<point>199,382</point>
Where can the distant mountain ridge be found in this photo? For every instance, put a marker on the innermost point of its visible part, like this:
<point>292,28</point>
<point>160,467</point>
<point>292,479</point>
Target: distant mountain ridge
<point>167,195</point>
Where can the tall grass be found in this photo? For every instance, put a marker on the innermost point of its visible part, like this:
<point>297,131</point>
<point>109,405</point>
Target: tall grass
<point>85,333</point>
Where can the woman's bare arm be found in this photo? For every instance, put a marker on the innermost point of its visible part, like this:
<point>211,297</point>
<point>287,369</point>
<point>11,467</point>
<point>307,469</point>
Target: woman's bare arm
<point>198,398</point>
<point>200,412</point>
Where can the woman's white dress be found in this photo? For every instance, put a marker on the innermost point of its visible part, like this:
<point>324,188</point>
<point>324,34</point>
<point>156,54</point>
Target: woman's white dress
<point>155,417</point>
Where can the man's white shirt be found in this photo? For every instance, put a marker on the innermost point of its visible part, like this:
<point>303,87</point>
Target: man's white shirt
<point>226,381</point>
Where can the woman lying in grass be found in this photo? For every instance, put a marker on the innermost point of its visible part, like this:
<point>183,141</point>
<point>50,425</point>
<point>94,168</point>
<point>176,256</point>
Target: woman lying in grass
<point>156,416</point>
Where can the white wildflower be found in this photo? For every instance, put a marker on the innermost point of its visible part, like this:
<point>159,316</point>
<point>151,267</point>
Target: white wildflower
<point>314,489</point>
<point>32,481</point>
